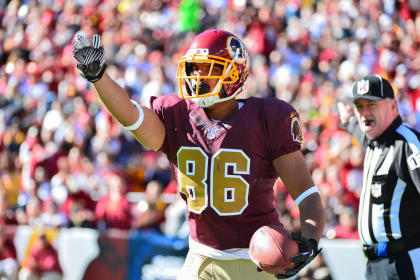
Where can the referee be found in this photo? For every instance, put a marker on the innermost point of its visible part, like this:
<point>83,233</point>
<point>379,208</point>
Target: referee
<point>389,211</point>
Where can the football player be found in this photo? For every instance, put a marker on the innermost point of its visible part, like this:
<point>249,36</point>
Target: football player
<point>225,152</point>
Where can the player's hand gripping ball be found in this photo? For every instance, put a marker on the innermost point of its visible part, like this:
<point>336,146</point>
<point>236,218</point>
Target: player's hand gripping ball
<point>271,249</point>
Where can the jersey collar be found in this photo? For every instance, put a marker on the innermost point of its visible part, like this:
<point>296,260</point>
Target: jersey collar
<point>387,135</point>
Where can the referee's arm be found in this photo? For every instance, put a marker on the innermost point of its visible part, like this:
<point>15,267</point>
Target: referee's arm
<point>349,122</point>
<point>354,129</point>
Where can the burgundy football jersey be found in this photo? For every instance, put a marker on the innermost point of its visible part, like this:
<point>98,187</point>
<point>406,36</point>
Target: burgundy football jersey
<point>224,169</point>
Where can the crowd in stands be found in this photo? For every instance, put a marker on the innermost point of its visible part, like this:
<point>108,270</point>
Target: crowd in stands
<point>65,162</point>
<point>41,262</point>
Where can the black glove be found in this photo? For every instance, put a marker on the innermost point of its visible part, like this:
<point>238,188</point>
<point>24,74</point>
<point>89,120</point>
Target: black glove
<point>90,59</point>
<point>308,250</point>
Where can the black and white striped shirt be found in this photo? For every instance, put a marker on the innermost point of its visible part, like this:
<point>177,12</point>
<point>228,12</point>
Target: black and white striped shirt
<point>390,199</point>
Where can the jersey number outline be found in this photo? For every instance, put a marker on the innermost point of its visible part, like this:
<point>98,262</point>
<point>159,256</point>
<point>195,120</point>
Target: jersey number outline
<point>228,192</point>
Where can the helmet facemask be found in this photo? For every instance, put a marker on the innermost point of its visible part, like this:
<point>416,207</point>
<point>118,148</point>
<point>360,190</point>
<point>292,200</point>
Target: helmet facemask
<point>194,73</point>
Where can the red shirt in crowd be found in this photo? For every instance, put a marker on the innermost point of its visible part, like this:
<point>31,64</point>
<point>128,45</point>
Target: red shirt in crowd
<point>43,259</point>
<point>345,232</point>
<point>8,250</point>
<point>116,214</point>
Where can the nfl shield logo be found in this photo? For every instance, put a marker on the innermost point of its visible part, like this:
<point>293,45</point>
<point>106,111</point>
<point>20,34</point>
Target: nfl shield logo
<point>362,87</point>
<point>211,133</point>
<point>376,190</point>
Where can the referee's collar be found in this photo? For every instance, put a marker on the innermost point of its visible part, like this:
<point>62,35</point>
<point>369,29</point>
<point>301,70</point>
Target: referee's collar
<point>387,133</point>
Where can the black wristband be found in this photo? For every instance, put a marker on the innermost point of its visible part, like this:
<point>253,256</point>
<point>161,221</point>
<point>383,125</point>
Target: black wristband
<point>314,244</point>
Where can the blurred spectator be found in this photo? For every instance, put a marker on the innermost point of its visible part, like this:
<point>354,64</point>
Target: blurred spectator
<point>135,174</point>
<point>156,167</point>
<point>58,181</point>
<point>8,262</point>
<point>176,223</point>
<point>42,183</point>
<point>317,269</point>
<point>7,215</point>
<point>150,211</point>
<point>113,209</point>
<point>78,206</point>
<point>31,214</point>
<point>52,217</point>
<point>10,177</point>
<point>42,262</point>
<point>347,227</point>
<point>74,202</point>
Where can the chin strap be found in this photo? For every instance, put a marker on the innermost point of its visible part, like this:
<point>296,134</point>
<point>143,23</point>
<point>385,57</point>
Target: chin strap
<point>224,92</point>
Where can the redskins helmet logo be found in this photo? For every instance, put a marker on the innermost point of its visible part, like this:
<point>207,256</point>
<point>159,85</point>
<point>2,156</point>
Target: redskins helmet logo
<point>236,50</point>
<point>296,130</point>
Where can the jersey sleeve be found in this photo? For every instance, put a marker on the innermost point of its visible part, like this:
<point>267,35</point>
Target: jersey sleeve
<point>157,105</point>
<point>162,109</point>
<point>172,111</point>
<point>284,131</point>
<point>412,158</point>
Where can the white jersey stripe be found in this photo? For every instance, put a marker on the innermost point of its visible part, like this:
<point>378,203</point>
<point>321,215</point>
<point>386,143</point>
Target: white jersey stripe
<point>364,202</point>
<point>384,169</point>
<point>395,208</point>
<point>371,160</point>
<point>415,260</point>
<point>378,224</point>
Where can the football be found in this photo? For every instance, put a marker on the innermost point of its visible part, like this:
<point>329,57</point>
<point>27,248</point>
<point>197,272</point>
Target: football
<point>271,249</point>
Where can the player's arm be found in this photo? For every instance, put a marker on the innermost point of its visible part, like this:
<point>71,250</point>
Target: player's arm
<point>141,121</point>
<point>150,133</point>
<point>294,173</point>
<point>292,169</point>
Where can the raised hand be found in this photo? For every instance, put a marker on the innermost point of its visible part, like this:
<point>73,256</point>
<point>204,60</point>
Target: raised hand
<point>90,58</point>
<point>345,113</point>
